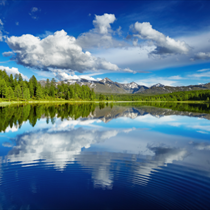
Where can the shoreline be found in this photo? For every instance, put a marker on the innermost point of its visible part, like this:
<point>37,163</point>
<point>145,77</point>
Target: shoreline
<point>7,103</point>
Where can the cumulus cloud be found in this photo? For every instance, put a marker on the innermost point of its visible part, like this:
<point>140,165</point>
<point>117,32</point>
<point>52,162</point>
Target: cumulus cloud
<point>201,56</point>
<point>61,75</point>
<point>12,71</point>
<point>163,155</point>
<point>200,145</point>
<point>101,35</point>
<point>164,44</point>
<point>1,23</point>
<point>58,148</point>
<point>102,22</point>
<point>58,51</point>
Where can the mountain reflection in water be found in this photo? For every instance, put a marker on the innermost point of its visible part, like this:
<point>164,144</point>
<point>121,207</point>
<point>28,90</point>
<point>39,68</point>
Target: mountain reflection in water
<point>89,156</point>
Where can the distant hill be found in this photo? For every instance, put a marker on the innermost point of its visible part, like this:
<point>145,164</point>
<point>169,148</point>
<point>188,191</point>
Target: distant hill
<point>108,86</point>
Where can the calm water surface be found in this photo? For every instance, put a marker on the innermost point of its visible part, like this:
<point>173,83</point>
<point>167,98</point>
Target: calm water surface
<point>90,156</point>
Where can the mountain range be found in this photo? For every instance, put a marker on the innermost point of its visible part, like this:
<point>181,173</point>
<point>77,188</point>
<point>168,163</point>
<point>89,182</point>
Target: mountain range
<point>107,114</point>
<point>108,86</point>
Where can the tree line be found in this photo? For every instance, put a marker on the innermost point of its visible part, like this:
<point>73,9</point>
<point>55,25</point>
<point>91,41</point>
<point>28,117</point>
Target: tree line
<point>16,115</point>
<point>195,95</point>
<point>15,88</point>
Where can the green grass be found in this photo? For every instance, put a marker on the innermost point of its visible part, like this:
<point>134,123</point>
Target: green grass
<point>7,103</point>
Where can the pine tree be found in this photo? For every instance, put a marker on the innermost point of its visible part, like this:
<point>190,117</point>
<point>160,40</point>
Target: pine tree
<point>68,95</point>
<point>11,80</point>
<point>33,84</point>
<point>9,93</point>
<point>20,78</point>
<point>3,88</point>
<point>17,92</point>
<point>71,90</point>
<point>26,94</point>
<point>39,93</point>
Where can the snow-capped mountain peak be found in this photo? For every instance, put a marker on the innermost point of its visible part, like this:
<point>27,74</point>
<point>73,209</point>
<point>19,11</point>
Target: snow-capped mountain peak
<point>105,80</point>
<point>133,85</point>
<point>158,85</point>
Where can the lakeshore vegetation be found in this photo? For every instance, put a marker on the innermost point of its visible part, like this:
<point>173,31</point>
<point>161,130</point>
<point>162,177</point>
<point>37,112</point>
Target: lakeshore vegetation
<point>16,115</point>
<point>16,89</point>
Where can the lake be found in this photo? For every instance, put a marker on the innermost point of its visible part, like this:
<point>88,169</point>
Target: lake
<point>105,156</point>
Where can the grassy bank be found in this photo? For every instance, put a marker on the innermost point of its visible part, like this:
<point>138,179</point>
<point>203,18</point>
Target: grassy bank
<point>6,103</point>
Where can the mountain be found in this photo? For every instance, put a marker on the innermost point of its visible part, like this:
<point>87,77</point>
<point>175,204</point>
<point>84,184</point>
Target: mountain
<point>108,86</point>
<point>161,89</point>
<point>157,85</point>
<point>107,114</point>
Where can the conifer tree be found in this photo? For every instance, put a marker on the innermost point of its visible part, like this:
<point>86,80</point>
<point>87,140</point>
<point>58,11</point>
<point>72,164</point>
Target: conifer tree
<point>9,93</point>
<point>33,84</point>
<point>18,92</point>
<point>26,94</point>
<point>39,93</point>
<point>20,78</point>
<point>3,88</point>
<point>11,80</point>
<point>68,95</point>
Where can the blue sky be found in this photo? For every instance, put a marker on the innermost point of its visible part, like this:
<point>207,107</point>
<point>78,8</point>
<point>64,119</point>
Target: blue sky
<point>150,42</point>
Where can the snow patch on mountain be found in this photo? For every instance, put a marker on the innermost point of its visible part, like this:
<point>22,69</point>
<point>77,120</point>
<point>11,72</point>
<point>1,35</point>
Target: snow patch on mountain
<point>157,85</point>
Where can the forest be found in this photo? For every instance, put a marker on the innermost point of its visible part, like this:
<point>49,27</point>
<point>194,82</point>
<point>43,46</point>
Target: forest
<point>196,95</point>
<point>16,115</point>
<point>15,88</point>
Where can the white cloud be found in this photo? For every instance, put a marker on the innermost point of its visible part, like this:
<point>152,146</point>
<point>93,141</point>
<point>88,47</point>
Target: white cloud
<point>202,70</point>
<point>118,31</point>
<point>102,22</point>
<point>56,148</point>
<point>177,77</point>
<point>7,54</point>
<point>1,23</point>
<point>61,75</point>
<point>202,56</point>
<point>58,51</point>
<point>154,80</point>
<point>1,36</point>
<point>129,70</point>
<point>17,23</point>
<point>12,71</point>
<point>200,145</point>
<point>164,44</point>
<point>7,144</point>
<point>200,75</point>
<point>101,35</point>
<point>33,11</point>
